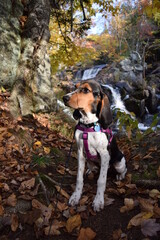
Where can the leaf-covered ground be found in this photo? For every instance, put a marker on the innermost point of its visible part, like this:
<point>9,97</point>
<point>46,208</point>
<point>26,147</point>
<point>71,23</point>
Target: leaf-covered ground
<point>35,187</point>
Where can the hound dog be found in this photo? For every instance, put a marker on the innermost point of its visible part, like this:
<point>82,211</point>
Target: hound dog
<point>92,109</point>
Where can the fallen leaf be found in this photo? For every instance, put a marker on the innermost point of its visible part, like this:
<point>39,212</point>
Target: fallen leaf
<point>137,220</point>
<point>158,172</point>
<point>108,201</point>
<point>11,200</point>
<point>37,144</point>
<point>1,210</point>
<point>83,200</point>
<point>27,184</point>
<point>146,205</point>
<point>116,235</point>
<point>86,234</point>
<point>154,193</point>
<point>54,229</point>
<point>14,222</point>
<point>46,211</point>
<point>73,222</point>
<point>81,208</point>
<point>6,187</point>
<point>46,150</point>
<point>61,206</point>
<point>128,205</point>
<point>61,169</point>
<point>150,228</point>
<point>156,211</point>
<point>62,192</point>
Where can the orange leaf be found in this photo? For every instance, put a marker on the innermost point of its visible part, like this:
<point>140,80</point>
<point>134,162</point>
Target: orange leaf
<point>86,234</point>
<point>14,222</point>
<point>1,210</point>
<point>11,200</point>
<point>27,184</point>
<point>62,192</point>
<point>73,222</point>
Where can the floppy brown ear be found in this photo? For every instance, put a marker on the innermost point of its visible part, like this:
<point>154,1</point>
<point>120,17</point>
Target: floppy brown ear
<point>76,114</point>
<point>105,114</point>
<point>78,84</point>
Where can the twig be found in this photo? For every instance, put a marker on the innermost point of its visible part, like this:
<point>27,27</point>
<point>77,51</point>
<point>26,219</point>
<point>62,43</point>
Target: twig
<point>148,183</point>
<point>44,189</point>
<point>51,180</point>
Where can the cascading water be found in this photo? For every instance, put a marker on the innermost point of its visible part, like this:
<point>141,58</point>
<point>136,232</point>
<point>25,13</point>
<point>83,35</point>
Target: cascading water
<point>92,72</point>
<point>118,104</point>
<point>117,101</point>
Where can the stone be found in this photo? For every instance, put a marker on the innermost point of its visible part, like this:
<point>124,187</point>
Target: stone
<point>10,41</point>
<point>126,61</point>
<point>138,67</point>
<point>152,101</point>
<point>136,106</point>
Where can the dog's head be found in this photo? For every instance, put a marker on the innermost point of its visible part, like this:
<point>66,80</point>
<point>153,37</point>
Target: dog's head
<point>89,97</point>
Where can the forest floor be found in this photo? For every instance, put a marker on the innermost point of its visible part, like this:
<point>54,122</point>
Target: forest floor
<point>35,186</point>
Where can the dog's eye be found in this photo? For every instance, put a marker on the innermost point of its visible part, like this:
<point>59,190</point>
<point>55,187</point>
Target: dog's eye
<point>85,90</point>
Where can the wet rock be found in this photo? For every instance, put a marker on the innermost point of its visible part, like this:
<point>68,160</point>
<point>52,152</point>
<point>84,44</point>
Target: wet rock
<point>152,101</point>
<point>136,106</point>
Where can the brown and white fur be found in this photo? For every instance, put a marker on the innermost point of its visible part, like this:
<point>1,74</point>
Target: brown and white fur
<point>92,105</point>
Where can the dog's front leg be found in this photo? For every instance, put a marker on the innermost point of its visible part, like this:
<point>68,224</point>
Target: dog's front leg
<point>98,202</point>
<point>74,199</point>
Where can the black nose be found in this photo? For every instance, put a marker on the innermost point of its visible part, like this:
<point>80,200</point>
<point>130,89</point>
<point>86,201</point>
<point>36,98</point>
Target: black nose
<point>66,99</point>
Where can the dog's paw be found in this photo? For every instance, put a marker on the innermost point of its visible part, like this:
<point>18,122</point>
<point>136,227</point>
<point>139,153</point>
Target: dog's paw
<point>121,176</point>
<point>98,203</point>
<point>74,199</point>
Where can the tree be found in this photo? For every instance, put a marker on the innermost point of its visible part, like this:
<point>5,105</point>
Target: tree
<point>32,86</point>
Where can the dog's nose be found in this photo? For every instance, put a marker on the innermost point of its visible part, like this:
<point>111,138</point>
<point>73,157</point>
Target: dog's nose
<point>66,99</point>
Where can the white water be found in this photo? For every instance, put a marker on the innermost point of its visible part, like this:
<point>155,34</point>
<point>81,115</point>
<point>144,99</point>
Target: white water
<point>118,104</point>
<point>117,101</point>
<point>92,72</point>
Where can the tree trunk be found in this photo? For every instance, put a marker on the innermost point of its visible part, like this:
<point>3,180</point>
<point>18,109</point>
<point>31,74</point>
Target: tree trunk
<point>32,90</point>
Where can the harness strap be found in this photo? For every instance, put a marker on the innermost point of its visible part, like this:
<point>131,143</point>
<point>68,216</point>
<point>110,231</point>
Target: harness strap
<point>85,141</point>
<point>85,138</point>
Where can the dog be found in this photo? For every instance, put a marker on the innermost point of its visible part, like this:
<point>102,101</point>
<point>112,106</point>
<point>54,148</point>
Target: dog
<point>93,137</point>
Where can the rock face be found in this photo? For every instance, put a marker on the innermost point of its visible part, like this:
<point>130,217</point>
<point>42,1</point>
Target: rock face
<point>10,41</point>
<point>25,61</point>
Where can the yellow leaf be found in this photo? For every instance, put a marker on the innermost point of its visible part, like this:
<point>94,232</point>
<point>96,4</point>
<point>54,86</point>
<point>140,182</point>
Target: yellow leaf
<point>3,90</point>
<point>137,220</point>
<point>37,144</point>
<point>154,193</point>
<point>73,222</point>
<point>46,150</point>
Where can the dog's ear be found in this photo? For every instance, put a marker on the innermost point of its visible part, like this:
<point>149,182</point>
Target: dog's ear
<point>76,114</point>
<point>105,114</point>
<point>77,85</point>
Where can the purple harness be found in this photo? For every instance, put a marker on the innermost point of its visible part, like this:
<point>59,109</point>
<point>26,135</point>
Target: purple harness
<point>85,138</point>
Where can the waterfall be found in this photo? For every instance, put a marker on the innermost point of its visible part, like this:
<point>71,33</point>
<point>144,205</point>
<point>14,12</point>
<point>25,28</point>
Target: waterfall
<point>118,104</point>
<point>92,72</point>
<point>117,101</point>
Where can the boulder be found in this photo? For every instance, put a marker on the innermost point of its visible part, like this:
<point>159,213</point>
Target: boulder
<point>135,106</point>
